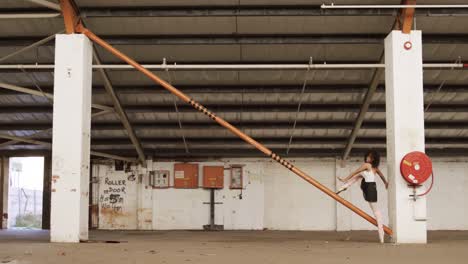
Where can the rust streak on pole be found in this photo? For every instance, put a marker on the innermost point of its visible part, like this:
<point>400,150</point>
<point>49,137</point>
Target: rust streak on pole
<point>230,127</point>
<point>70,17</point>
<point>408,14</point>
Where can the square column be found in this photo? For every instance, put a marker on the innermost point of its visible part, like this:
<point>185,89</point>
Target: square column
<point>71,138</point>
<point>405,131</point>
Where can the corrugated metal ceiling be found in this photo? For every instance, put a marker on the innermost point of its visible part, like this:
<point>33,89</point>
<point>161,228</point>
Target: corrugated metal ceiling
<point>19,109</point>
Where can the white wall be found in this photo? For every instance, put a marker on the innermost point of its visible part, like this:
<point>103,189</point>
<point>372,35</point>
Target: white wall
<point>447,202</point>
<point>293,204</point>
<point>273,198</point>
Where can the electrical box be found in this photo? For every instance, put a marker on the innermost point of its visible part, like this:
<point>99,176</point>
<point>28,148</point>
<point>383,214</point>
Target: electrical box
<point>159,179</point>
<point>237,175</point>
<point>185,175</point>
<point>213,177</point>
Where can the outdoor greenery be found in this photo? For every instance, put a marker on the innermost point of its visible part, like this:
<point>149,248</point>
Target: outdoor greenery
<point>29,221</point>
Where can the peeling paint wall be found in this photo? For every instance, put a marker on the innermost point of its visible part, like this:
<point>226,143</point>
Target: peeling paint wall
<point>272,198</point>
<point>117,199</point>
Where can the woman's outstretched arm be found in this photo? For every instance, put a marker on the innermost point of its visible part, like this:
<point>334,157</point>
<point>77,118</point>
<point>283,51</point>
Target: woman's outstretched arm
<point>383,178</point>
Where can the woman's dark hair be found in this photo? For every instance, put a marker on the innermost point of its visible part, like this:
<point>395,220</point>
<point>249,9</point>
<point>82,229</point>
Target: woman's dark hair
<point>375,156</point>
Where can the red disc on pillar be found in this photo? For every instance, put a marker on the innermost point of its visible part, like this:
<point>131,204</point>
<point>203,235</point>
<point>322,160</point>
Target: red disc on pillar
<point>416,167</point>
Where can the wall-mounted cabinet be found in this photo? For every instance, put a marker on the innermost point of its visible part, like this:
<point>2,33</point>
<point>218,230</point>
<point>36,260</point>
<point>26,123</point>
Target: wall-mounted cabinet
<point>185,175</point>
<point>213,177</point>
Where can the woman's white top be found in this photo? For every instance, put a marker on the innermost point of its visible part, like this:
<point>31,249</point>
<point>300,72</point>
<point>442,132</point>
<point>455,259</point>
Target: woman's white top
<point>368,175</point>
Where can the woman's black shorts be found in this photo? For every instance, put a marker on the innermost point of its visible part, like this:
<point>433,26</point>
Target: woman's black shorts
<point>369,190</point>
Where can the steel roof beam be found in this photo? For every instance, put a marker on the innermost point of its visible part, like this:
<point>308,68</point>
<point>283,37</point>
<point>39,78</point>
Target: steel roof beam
<point>32,46</point>
<point>376,77</point>
<point>49,145</point>
<point>374,83</point>
<point>119,109</point>
<point>265,124</point>
<point>264,140</point>
<point>248,11</point>
<point>179,154</point>
<point>253,108</point>
<point>47,4</point>
<point>246,89</point>
<point>29,91</point>
<point>171,153</point>
<point>253,39</point>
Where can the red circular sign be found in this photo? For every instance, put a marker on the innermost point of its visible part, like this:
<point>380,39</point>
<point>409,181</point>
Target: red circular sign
<point>416,167</point>
<point>408,45</point>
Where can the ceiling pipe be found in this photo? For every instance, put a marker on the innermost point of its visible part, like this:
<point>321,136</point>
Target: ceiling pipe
<point>47,4</point>
<point>233,66</point>
<point>29,15</point>
<point>333,6</point>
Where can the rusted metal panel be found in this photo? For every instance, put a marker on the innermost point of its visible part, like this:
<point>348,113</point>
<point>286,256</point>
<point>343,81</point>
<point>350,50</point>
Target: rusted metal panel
<point>186,175</point>
<point>213,177</point>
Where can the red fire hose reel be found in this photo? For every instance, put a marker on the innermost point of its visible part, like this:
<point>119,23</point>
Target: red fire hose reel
<point>416,168</point>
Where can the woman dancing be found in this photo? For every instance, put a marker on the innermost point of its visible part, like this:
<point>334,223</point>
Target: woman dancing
<point>366,173</point>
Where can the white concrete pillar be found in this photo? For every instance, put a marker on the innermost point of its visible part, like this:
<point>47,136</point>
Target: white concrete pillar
<point>405,130</point>
<point>71,138</point>
<point>145,198</point>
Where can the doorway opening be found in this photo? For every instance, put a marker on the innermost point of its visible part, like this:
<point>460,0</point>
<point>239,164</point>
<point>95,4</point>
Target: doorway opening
<point>25,190</point>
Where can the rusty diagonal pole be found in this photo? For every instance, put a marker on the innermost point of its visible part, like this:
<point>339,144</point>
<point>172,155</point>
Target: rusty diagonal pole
<point>80,29</point>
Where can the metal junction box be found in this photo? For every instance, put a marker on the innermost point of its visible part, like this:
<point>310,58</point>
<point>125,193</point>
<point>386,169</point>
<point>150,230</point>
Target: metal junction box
<point>213,177</point>
<point>237,177</point>
<point>159,178</point>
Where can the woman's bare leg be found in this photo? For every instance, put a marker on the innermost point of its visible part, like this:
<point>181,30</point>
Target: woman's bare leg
<point>349,183</point>
<point>378,217</point>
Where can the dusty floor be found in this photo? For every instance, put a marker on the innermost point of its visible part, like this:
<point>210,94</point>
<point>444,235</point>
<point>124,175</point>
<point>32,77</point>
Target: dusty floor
<point>230,247</point>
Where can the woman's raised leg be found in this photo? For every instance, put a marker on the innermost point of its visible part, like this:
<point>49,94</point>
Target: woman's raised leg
<point>349,183</point>
<point>378,217</point>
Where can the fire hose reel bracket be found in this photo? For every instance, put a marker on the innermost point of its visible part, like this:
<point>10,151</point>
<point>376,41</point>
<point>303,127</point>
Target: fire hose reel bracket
<point>416,168</point>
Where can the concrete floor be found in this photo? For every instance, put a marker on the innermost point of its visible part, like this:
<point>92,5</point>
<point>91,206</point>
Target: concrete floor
<point>230,247</point>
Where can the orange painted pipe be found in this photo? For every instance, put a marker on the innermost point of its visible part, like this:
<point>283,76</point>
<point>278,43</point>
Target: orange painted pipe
<point>231,128</point>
